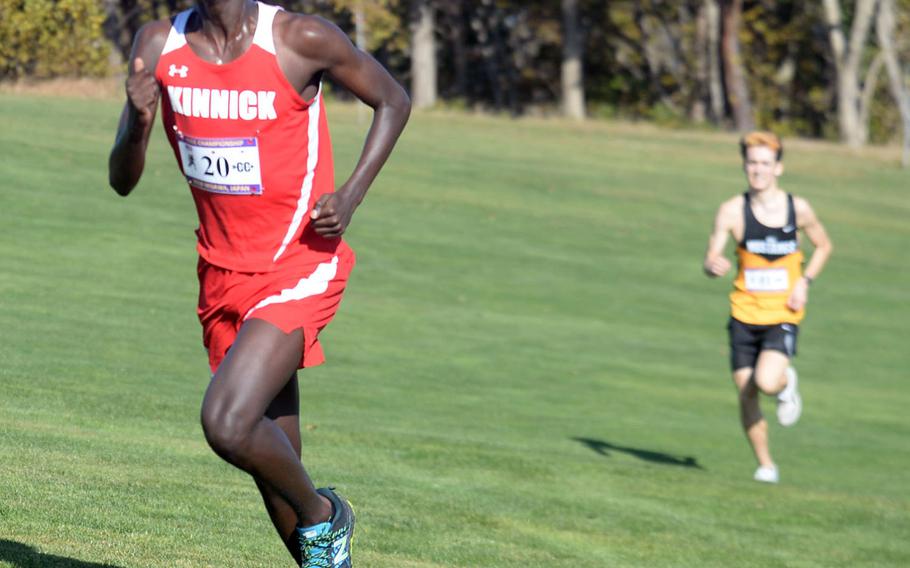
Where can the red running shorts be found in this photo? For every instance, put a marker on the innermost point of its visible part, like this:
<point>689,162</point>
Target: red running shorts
<point>292,298</point>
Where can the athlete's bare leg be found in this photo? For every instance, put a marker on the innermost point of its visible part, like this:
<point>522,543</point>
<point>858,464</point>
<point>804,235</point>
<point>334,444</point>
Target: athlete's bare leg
<point>770,376</point>
<point>754,424</point>
<point>255,371</point>
<point>285,412</point>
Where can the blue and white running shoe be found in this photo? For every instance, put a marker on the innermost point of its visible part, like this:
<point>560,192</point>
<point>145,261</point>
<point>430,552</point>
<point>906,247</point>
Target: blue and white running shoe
<point>328,545</point>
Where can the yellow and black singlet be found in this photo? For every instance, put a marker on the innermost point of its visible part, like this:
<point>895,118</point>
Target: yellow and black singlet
<point>770,263</point>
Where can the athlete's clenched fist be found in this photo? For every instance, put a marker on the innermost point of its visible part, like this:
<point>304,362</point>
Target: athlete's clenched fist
<point>142,92</point>
<point>717,266</point>
<point>332,213</point>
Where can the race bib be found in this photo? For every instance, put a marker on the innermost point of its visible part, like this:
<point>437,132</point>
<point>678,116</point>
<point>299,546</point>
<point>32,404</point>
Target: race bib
<point>767,279</point>
<point>222,165</point>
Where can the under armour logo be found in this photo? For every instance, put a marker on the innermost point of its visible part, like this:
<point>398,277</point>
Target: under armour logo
<point>173,71</point>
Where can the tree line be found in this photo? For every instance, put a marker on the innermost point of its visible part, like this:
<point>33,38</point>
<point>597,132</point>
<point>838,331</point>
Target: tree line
<point>826,69</point>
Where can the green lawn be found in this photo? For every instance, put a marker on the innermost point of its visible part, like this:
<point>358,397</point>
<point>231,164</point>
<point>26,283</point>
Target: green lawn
<point>528,370</point>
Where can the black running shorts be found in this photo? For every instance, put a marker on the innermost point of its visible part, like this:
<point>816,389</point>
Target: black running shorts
<point>747,341</point>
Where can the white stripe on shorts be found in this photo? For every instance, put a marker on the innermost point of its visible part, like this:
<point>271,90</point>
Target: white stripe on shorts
<point>789,340</point>
<point>314,284</point>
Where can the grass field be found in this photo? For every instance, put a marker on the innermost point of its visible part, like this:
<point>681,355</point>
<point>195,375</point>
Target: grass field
<point>528,370</point>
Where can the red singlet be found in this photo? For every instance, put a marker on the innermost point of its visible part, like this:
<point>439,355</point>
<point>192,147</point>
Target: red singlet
<point>256,157</point>
<point>255,154</point>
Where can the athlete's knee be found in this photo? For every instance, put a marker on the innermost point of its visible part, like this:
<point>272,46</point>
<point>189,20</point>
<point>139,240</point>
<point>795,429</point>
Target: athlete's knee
<point>745,386</point>
<point>226,432</point>
<point>770,383</point>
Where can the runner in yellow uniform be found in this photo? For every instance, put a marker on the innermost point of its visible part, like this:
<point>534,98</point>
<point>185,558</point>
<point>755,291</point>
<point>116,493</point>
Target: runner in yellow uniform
<point>770,291</point>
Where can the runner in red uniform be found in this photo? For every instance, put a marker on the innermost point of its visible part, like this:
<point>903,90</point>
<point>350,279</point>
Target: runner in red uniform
<point>242,107</point>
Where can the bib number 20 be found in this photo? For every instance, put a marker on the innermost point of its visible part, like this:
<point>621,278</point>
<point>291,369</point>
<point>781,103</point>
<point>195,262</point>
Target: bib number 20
<point>222,165</point>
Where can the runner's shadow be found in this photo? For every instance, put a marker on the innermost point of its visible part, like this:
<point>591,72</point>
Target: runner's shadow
<point>602,448</point>
<point>20,555</point>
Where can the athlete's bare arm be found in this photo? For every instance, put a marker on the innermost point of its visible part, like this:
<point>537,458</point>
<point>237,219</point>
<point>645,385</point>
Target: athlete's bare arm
<point>316,46</point>
<point>127,158</point>
<point>815,231</point>
<point>726,222</point>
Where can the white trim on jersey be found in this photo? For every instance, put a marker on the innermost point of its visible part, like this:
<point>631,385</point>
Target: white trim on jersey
<point>176,38</point>
<point>312,161</point>
<point>263,36</point>
<point>314,284</point>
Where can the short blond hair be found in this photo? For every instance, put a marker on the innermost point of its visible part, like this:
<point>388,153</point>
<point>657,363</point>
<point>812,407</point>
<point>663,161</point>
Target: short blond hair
<point>761,138</point>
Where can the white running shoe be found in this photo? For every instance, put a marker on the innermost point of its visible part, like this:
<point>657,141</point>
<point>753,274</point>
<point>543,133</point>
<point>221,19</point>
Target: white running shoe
<point>789,403</point>
<point>767,474</point>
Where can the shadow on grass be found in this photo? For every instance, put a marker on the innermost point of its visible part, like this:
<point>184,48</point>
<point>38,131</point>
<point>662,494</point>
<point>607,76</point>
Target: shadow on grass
<point>603,448</point>
<point>20,555</point>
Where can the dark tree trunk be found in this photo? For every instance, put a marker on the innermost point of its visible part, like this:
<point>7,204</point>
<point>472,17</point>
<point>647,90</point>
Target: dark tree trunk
<point>734,73</point>
<point>698,110</point>
<point>458,38</point>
